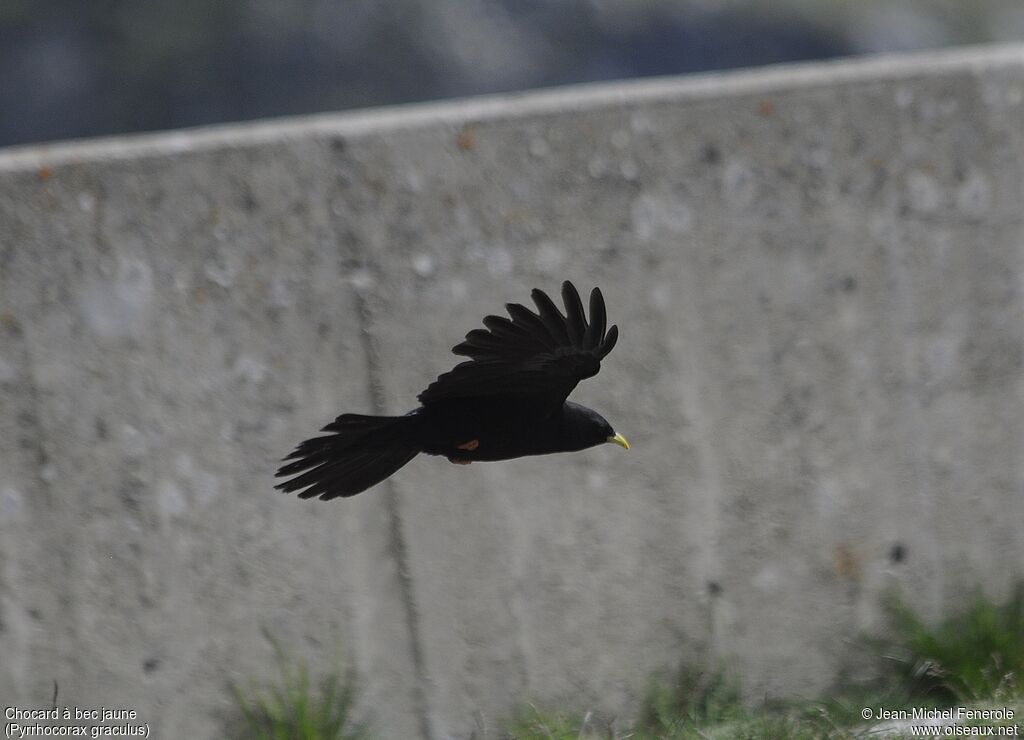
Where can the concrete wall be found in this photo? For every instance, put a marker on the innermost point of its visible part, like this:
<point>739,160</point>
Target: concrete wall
<point>818,276</point>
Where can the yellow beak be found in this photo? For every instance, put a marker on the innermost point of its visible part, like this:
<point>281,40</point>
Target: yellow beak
<point>619,440</point>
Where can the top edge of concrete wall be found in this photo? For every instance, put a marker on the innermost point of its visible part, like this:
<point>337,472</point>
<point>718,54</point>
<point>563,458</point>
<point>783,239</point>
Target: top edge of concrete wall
<point>588,96</point>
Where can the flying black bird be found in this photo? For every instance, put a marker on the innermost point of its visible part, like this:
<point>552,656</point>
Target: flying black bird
<point>507,400</point>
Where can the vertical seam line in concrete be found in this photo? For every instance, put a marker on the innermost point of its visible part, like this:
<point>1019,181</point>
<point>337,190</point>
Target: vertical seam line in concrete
<point>399,548</point>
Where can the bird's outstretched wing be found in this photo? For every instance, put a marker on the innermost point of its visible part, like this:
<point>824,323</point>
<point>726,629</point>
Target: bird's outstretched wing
<point>531,356</point>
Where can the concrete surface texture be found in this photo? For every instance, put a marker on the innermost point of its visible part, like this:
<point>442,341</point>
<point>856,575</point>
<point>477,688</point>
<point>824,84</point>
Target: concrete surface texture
<point>818,276</point>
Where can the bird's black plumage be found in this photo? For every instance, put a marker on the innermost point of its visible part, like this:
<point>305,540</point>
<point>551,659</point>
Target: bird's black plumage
<point>507,400</point>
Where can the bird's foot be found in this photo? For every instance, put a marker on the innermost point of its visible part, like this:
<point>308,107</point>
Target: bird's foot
<point>459,461</point>
<point>469,446</point>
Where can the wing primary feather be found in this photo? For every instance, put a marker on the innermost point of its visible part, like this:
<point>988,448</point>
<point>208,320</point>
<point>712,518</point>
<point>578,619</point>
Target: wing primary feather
<point>524,317</point>
<point>551,316</point>
<point>478,342</point>
<point>482,336</point>
<point>598,320</point>
<point>517,337</point>
<point>576,319</point>
<point>609,342</point>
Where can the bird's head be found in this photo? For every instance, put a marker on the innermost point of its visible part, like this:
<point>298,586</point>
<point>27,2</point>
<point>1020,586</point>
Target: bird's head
<point>585,428</point>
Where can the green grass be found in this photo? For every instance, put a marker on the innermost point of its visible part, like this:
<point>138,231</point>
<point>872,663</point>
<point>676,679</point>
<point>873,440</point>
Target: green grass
<point>695,706</point>
<point>536,723</point>
<point>295,709</point>
<point>975,659</point>
<point>797,720</point>
<point>974,656</point>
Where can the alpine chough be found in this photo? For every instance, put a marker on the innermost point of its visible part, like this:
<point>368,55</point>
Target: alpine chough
<point>508,400</point>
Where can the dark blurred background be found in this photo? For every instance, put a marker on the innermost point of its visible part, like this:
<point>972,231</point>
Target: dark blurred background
<point>70,68</point>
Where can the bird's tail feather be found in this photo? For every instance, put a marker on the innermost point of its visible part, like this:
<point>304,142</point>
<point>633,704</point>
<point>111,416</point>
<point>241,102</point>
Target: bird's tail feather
<point>360,452</point>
